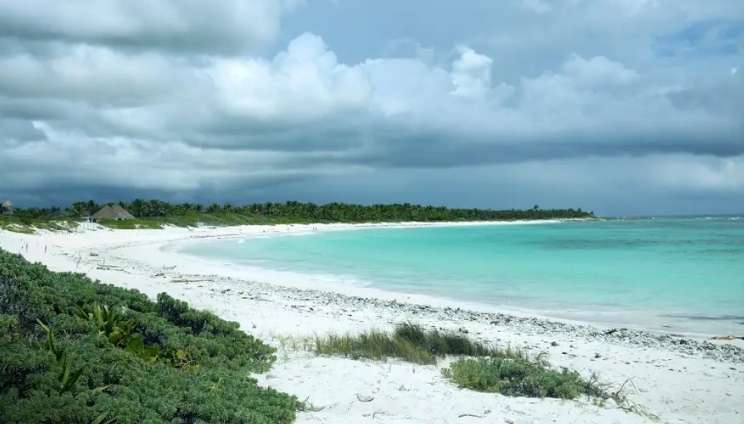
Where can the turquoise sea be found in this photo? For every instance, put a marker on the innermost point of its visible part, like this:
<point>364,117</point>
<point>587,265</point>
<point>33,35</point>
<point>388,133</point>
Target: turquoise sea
<point>677,274</point>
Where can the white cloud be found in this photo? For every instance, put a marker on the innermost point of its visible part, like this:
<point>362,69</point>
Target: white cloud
<point>471,73</point>
<point>598,71</point>
<point>304,82</point>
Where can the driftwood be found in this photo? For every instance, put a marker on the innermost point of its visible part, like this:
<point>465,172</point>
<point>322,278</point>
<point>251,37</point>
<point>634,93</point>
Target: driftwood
<point>728,338</point>
<point>470,415</point>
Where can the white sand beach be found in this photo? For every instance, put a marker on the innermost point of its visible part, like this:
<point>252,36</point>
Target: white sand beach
<point>680,380</point>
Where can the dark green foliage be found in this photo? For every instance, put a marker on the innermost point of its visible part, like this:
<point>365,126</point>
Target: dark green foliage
<point>76,351</point>
<point>154,213</point>
<point>520,377</point>
<point>14,300</point>
<point>337,212</point>
<point>409,342</point>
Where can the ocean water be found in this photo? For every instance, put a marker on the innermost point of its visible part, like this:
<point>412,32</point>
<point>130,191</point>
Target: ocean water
<point>677,275</point>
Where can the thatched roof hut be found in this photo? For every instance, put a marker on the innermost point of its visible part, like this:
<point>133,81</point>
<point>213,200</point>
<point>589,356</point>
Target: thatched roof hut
<point>112,212</point>
<point>7,207</point>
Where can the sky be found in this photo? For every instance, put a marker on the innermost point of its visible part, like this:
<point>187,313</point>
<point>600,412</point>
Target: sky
<point>623,107</point>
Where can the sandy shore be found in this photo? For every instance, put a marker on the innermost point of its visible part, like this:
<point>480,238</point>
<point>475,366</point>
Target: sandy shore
<point>680,380</point>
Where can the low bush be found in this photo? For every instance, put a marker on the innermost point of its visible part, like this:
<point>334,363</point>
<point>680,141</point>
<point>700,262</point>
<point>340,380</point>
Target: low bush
<point>520,377</point>
<point>77,351</point>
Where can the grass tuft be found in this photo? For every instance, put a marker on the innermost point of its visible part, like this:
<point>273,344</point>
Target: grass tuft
<point>536,378</point>
<point>409,342</point>
<point>520,377</point>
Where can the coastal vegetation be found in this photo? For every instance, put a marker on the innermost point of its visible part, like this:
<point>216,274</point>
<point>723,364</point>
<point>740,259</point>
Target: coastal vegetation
<point>480,367</point>
<point>76,351</point>
<point>517,375</point>
<point>156,213</point>
<point>409,342</point>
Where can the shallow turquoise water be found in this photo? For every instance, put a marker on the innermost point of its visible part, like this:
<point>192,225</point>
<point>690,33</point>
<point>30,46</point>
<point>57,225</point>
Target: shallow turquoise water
<point>678,274</point>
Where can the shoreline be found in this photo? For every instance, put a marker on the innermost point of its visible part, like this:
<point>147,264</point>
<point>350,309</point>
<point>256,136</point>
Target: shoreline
<point>166,246</point>
<point>602,319</point>
<point>680,379</point>
<point>319,283</point>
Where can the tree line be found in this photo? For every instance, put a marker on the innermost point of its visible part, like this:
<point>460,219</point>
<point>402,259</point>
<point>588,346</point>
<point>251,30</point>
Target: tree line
<point>292,210</point>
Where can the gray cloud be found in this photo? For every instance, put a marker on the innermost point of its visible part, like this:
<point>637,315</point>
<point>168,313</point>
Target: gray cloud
<point>175,99</point>
<point>183,25</point>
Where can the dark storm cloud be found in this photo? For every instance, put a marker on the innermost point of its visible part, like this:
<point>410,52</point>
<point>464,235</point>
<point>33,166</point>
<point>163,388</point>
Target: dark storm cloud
<point>435,150</point>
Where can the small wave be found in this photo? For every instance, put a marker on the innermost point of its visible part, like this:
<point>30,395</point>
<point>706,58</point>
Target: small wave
<point>706,317</point>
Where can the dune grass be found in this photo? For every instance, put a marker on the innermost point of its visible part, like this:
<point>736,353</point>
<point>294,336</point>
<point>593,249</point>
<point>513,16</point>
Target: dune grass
<point>408,342</point>
<point>29,226</point>
<point>221,219</point>
<point>132,224</point>
<point>481,367</point>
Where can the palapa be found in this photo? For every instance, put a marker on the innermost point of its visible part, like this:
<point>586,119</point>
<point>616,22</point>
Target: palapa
<point>112,212</point>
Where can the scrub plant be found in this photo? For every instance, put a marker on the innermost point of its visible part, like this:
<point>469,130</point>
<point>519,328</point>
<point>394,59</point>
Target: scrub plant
<point>74,350</point>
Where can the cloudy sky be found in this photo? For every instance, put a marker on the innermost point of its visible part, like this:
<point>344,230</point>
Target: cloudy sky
<point>620,106</point>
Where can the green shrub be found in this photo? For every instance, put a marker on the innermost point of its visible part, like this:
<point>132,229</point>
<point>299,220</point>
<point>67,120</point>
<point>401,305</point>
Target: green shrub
<point>77,351</point>
<point>520,377</point>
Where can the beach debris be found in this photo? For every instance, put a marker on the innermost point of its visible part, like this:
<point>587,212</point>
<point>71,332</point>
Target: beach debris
<point>364,398</point>
<point>374,414</point>
<point>486,412</point>
<point>310,407</point>
<point>728,338</point>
